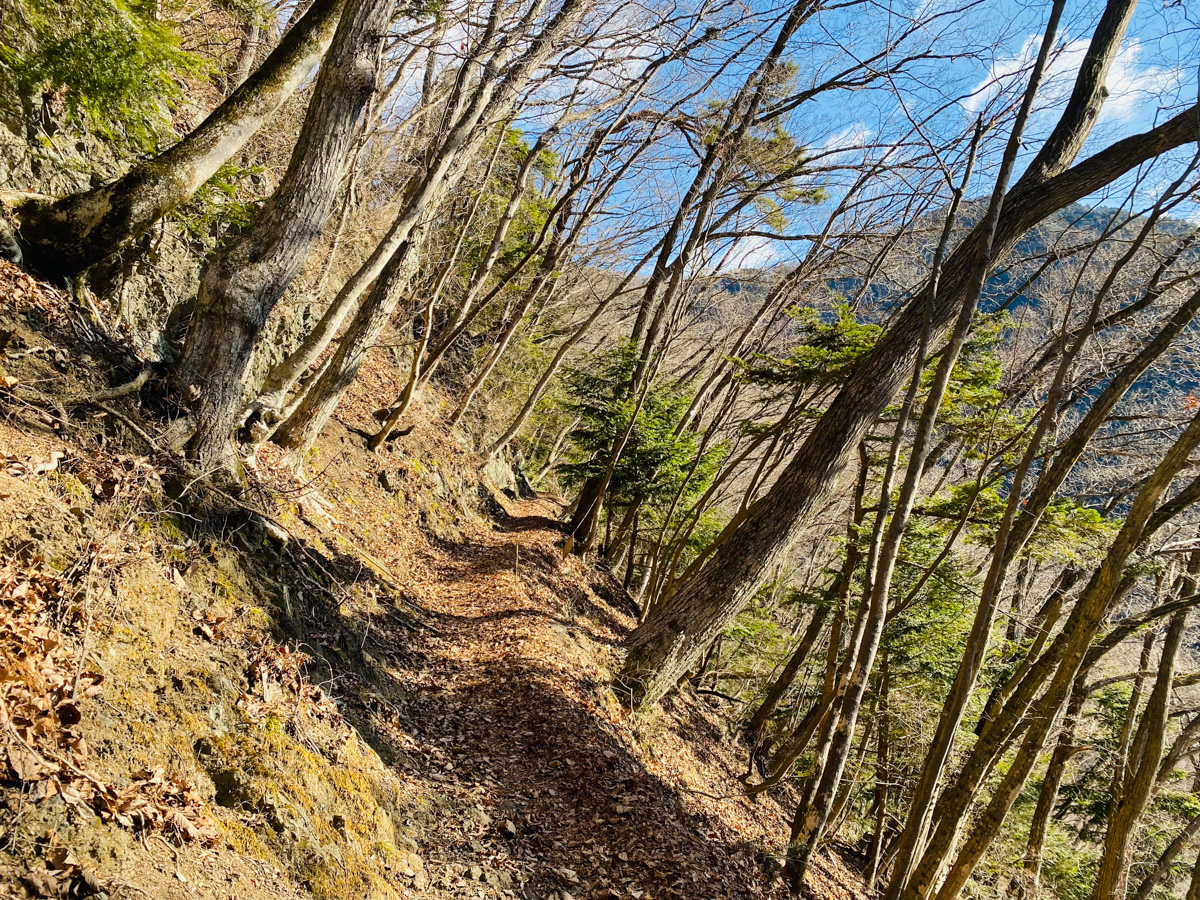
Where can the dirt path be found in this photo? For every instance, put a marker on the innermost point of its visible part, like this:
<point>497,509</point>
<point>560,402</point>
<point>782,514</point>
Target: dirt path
<point>504,708</point>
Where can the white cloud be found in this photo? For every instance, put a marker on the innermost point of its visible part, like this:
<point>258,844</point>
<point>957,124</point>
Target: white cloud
<point>753,253</point>
<point>1133,86</point>
<point>845,146</point>
<point>852,136</point>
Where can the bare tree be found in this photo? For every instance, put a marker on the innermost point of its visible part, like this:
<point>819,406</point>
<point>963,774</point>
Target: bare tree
<point>489,100</point>
<point>670,640</point>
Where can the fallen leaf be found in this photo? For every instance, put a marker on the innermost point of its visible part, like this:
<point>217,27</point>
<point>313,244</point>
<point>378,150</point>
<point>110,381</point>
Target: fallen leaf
<point>49,465</point>
<point>68,714</point>
<point>43,883</point>
<point>25,765</point>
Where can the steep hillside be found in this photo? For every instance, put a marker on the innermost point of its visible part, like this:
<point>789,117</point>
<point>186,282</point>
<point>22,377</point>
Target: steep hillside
<point>381,679</point>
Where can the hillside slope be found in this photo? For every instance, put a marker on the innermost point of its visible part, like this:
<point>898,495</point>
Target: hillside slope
<point>388,682</point>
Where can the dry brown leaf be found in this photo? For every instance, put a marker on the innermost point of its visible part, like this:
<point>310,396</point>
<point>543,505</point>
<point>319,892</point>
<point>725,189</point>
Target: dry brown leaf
<point>43,883</point>
<point>25,765</point>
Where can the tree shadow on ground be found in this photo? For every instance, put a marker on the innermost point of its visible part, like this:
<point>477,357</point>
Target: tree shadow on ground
<point>564,806</point>
<point>571,809</point>
<point>531,523</point>
<point>553,802</point>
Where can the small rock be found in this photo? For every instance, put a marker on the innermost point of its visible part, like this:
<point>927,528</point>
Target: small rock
<point>276,532</point>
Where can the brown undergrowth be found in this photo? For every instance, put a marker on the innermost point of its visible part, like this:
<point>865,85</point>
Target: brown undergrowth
<point>395,687</point>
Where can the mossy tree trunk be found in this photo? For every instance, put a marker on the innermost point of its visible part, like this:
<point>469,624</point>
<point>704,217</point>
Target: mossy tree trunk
<point>61,238</point>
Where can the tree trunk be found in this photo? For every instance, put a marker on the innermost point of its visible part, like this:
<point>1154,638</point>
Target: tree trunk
<point>244,63</point>
<point>1137,788</point>
<point>416,370</point>
<point>285,374</point>
<point>300,430</point>
<point>831,685</point>
<point>493,357</point>
<point>1194,885</point>
<point>1184,742</point>
<point>883,774</point>
<point>492,99</point>
<point>754,728</point>
<point>553,456</point>
<point>545,275</point>
<point>586,515</point>
<point>1012,629</point>
<point>614,548</point>
<point>460,319</point>
<point>847,791</point>
<point>785,757</point>
<point>1162,867</point>
<point>242,283</point>
<point>540,388</point>
<point>61,238</point>
<point>1046,619</point>
<point>633,539</point>
<point>1039,827</point>
<point>1121,759</point>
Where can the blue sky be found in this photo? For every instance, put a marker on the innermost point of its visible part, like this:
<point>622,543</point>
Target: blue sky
<point>983,48</point>
<point>1154,78</point>
<point>990,44</point>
